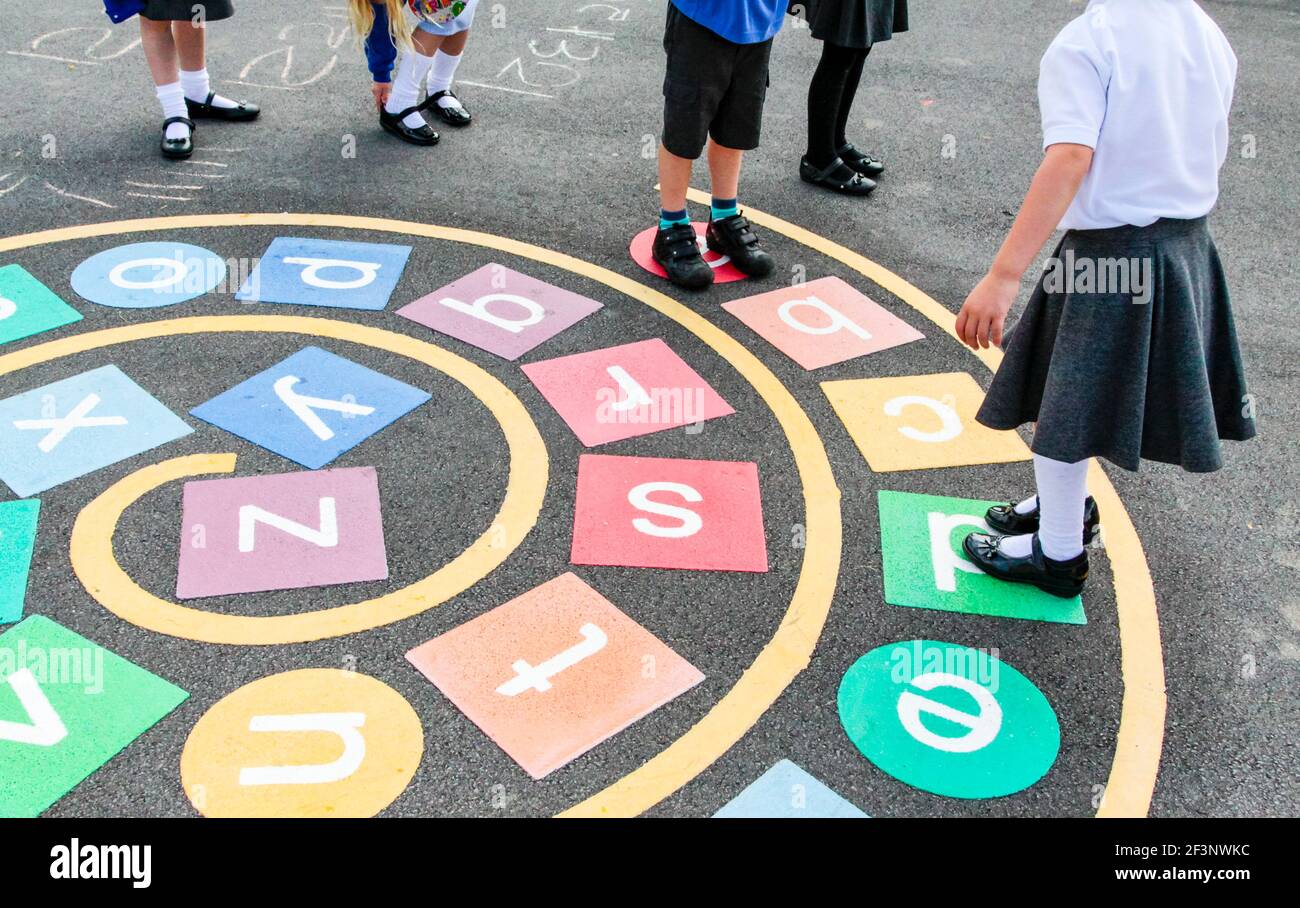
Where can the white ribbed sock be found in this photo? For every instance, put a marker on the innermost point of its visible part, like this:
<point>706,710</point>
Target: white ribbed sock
<point>411,70</point>
<point>172,99</point>
<point>1062,491</point>
<point>441,75</point>
<point>197,84</point>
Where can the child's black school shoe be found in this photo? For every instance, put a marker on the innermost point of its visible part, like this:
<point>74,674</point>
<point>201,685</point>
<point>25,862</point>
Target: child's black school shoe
<point>424,134</point>
<point>1003,519</point>
<point>1060,578</point>
<point>677,250</point>
<point>177,149</point>
<point>860,161</point>
<point>837,177</point>
<point>242,112</point>
<point>734,238</point>
<point>455,115</point>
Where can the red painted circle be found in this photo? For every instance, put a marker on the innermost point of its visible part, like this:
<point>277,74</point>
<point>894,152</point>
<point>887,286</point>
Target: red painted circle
<point>642,244</point>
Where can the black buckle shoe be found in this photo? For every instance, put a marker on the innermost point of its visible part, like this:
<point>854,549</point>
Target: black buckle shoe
<point>837,177</point>
<point>423,134</point>
<point>242,112</point>
<point>177,149</point>
<point>863,163</point>
<point>1004,520</point>
<point>734,238</point>
<point>453,116</point>
<point>677,250</point>
<point>1060,578</point>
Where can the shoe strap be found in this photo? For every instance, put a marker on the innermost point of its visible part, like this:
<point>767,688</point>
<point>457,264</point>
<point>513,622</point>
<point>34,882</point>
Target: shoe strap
<point>186,120</point>
<point>738,228</point>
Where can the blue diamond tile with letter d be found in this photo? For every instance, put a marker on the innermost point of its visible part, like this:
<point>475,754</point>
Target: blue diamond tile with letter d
<point>311,272</point>
<point>925,567</point>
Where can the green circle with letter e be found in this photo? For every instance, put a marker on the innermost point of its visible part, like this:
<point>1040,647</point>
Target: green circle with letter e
<point>949,719</point>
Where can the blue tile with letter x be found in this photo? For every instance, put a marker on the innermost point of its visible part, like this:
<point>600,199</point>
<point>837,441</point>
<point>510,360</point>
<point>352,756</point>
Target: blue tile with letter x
<point>787,792</point>
<point>311,407</point>
<point>72,427</point>
<point>312,272</point>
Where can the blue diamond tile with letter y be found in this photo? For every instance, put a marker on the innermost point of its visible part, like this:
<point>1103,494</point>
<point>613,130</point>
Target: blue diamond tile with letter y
<point>311,407</point>
<point>78,425</point>
<point>920,544</point>
<point>310,272</point>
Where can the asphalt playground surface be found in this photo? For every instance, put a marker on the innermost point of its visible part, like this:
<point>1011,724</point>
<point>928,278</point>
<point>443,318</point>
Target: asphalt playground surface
<point>561,156</point>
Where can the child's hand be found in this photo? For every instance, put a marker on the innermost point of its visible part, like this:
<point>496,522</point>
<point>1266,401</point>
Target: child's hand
<point>985,311</point>
<point>381,91</point>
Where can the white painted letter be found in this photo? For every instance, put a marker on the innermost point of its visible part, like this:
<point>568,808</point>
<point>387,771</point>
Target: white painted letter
<point>951,421</point>
<point>479,309</point>
<point>983,727</point>
<point>839,321</point>
<point>305,407</point>
<point>366,272</point>
<point>691,522</point>
<point>326,537</point>
<point>344,725</point>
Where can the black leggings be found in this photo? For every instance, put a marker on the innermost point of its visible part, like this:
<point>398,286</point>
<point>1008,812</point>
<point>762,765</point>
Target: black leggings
<point>830,98</point>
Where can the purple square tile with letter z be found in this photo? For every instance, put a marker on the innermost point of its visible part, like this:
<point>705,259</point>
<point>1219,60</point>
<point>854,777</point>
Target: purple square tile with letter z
<point>500,310</point>
<point>254,533</point>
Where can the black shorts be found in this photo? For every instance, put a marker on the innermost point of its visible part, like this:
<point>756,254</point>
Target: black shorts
<point>713,87</point>
<point>181,10</point>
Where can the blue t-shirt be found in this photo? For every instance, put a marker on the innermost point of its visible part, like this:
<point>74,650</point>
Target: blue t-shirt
<point>739,21</point>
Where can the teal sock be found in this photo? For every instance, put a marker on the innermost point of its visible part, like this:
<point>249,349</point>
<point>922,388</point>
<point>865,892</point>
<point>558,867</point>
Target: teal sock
<point>672,218</point>
<point>724,208</point>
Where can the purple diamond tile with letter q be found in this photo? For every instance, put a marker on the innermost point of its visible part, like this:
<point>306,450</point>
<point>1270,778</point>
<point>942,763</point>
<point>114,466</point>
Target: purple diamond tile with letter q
<point>500,310</point>
<point>311,272</point>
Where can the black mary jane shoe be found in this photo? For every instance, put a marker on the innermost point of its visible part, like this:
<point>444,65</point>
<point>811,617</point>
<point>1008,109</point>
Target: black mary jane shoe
<point>242,112</point>
<point>453,116</point>
<point>178,149</point>
<point>1060,578</point>
<point>1004,520</point>
<point>419,135</point>
<point>734,238</point>
<point>863,163</point>
<point>838,177</point>
<point>677,250</point>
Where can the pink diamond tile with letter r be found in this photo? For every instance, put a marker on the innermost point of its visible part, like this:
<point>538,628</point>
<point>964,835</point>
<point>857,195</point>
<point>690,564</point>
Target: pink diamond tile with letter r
<point>500,310</point>
<point>292,530</point>
<point>621,392</point>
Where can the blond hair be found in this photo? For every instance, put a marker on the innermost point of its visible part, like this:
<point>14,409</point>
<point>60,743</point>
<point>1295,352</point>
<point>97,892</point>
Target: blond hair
<point>362,15</point>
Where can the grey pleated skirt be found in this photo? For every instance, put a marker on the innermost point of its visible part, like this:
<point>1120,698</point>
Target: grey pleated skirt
<point>852,23</point>
<point>1126,369</point>
<point>171,10</point>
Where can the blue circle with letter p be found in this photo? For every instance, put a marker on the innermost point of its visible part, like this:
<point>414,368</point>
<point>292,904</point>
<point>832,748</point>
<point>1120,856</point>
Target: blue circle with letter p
<point>148,275</point>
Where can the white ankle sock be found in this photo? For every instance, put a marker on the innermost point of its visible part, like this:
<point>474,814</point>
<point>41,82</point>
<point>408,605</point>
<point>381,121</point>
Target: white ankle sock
<point>172,99</point>
<point>1026,506</point>
<point>411,70</point>
<point>1017,546</point>
<point>1062,490</point>
<point>197,85</point>
<point>441,75</point>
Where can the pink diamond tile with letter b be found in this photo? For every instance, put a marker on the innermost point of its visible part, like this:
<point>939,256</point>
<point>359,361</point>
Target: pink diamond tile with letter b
<point>621,392</point>
<point>287,531</point>
<point>821,323</point>
<point>656,512</point>
<point>500,310</point>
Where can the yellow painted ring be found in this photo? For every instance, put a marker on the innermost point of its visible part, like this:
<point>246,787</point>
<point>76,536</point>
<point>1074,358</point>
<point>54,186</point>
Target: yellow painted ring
<point>91,548</point>
<point>1137,756</point>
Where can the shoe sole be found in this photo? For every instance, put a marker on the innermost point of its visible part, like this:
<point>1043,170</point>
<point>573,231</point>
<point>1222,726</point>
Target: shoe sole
<point>175,155</point>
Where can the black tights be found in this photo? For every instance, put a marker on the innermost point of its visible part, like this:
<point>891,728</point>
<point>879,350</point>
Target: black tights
<point>830,98</point>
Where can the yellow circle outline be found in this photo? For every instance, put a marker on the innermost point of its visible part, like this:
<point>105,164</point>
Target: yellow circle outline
<point>91,548</point>
<point>1137,755</point>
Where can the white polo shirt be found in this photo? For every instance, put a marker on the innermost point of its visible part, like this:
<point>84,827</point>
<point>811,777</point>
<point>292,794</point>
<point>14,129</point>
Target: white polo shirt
<point>1147,85</point>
